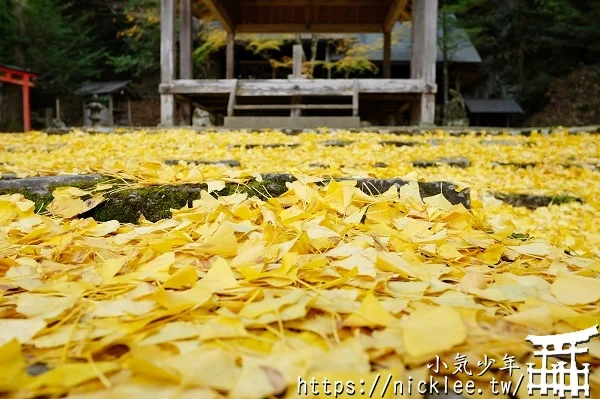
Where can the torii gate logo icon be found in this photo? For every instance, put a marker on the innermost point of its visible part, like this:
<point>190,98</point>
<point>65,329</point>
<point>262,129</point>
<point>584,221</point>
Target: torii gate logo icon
<point>554,379</point>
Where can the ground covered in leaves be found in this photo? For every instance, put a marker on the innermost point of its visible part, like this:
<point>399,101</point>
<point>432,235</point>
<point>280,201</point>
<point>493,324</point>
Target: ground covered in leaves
<point>236,296</point>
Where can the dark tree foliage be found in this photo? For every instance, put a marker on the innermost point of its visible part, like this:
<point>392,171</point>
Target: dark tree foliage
<point>140,39</point>
<point>54,38</point>
<point>525,43</point>
<point>7,32</point>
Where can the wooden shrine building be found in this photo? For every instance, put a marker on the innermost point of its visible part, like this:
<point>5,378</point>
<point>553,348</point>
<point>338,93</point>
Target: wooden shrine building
<point>297,101</point>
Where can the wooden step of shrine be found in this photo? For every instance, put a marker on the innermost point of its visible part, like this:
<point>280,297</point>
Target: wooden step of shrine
<point>291,122</point>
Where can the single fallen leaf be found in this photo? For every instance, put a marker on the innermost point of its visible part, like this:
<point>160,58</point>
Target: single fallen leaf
<point>370,314</point>
<point>22,330</point>
<point>571,289</point>
<point>433,331</point>
<point>44,307</point>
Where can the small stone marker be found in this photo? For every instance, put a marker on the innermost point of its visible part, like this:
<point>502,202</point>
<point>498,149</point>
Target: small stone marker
<point>532,201</point>
<point>230,163</point>
<point>518,165</point>
<point>276,145</point>
<point>336,143</point>
<point>400,143</point>
<point>589,166</point>
<point>456,162</point>
<point>292,132</point>
<point>508,143</point>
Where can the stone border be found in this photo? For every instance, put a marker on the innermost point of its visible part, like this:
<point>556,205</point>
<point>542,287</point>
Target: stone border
<point>532,201</point>
<point>408,130</point>
<point>156,202</point>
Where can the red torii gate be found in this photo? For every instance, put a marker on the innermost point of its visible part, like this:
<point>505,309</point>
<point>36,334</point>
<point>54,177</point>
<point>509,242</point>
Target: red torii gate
<point>23,78</point>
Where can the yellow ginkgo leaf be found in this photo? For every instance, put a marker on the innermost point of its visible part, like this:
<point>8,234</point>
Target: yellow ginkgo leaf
<point>421,332</point>
<point>187,275</point>
<point>22,330</point>
<point>370,314</point>
<point>571,289</point>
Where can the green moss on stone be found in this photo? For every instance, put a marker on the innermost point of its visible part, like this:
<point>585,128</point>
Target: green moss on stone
<point>84,184</point>
<point>429,189</point>
<point>520,236</point>
<point>154,203</point>
<point>564,199</point>
<point>41,200</point>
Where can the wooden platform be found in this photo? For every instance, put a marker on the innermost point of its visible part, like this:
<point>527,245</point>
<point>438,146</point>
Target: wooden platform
<point>297,87</point>
<point>262,16</point>
<point>287,122</point>
<point>264,103</point>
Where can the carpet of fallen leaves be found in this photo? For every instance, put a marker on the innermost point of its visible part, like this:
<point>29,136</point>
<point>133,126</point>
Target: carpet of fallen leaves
<point>237,297</point>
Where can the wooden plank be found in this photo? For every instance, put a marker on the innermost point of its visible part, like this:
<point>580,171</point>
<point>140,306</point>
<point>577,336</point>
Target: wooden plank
<point>220,14</point>
<point>57,108</point>
<point>293,106</point>
<point>394,13</point>
<point>424,40</point>
<point>328,58</point>
<point>302,87</point>
<point>314,28</point>
<point>285,122</point>
<point>26,104</point>
<point>185,41</point>
<point>298,55</point>
<point>387,55</point>
<point>292,3</point>
<point>129,117</point>
<point>395,86</point>
<point>424,57</point>
<point>230,57</point>
<point>198,86</point>
<point>167,110</point>
<point>423,111</point>
<point>111,111</point>
<point>167,41</point>
<point>186,112</point>
<point>167,59</point>
<point>232,98</point>
<point>355,92</point>
<point>185,57</point>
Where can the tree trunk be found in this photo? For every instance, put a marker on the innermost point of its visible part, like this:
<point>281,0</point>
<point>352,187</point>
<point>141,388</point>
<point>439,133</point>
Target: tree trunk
<point>445,62</point>
<point>20,50</point>
<point>521,64</point>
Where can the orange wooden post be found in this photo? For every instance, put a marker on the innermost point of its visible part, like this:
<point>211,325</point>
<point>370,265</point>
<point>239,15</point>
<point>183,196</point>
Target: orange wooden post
<point>26,108</point>
<point>22,78</point>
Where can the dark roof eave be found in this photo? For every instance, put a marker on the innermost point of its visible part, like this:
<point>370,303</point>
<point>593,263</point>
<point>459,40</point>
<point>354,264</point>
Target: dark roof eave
<point>18,69</point>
